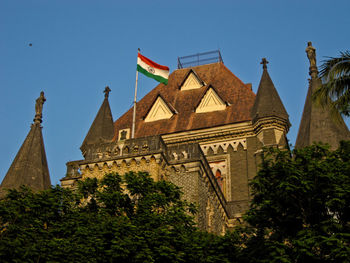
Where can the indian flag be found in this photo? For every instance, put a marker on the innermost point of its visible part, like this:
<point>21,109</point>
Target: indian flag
<point>151,69</point>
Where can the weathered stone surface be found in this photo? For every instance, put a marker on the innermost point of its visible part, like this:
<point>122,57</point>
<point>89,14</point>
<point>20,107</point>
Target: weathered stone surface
<point>102,128</point>
<point>316,124</point>
<point>30,167</point>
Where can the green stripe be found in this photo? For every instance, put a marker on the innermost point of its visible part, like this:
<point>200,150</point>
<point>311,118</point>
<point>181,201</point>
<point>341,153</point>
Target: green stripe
<point>157,78</point>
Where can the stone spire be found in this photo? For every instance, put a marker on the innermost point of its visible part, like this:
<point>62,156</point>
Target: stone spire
<point>316,123</point>
<point>29,167</point>
<point>102,129</point>
<point>268,102</point>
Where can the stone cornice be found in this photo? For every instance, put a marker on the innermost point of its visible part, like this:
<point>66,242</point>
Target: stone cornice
<point>237,130</point>
<point>271,122</point>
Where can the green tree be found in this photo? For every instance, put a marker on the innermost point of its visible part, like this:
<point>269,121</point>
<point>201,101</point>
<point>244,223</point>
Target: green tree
<point>335,90</point>
<point>300,211</point>
<point>116,219</point>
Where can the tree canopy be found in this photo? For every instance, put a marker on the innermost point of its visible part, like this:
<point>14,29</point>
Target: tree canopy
<point>116,219</point>
<point>300,211</point>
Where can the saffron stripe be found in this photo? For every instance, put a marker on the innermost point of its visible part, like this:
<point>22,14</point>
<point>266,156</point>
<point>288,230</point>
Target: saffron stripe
<point>156,77</point>
<point>152,63</point>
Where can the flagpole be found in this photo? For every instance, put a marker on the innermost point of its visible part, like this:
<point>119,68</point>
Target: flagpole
<point>134,111</point>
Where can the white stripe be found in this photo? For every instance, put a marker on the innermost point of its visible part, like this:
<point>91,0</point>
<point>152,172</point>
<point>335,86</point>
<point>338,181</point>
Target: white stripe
<point>159,72</point>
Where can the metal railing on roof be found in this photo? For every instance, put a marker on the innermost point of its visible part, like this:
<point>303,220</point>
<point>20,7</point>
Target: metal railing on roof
<point>199,59</point>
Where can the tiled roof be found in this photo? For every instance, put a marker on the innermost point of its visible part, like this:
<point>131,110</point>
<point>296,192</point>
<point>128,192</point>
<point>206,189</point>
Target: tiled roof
<point>237,95</point>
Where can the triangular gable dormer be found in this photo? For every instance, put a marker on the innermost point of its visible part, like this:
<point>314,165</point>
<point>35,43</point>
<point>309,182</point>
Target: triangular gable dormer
<point>159,111</point>
<point>211,101</point>
<point>191,81</point>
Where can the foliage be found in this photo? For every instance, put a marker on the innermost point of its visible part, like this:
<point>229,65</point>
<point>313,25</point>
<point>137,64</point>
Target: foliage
<point>116,219</point>
<point>301,207</point>
<point>300,212</point>
<point>335,91</point>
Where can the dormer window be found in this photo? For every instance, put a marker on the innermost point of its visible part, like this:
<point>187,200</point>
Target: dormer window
<point>192,81</point>
<point>159,111</point>
<point>211,101</point>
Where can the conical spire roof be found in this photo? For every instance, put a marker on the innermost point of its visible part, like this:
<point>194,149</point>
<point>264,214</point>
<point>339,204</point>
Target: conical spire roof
<point>102,129</point>
<point>268,102</point>
<point>30,167</point>
<point>316,123</point>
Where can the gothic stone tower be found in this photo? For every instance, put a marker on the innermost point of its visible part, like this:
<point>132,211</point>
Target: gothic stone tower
<point>204,131</point>
<point>30,167</point>
<point>316,123</point>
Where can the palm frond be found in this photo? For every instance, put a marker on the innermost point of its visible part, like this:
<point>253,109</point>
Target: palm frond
<point>334,93</point>
<point>336,66</point>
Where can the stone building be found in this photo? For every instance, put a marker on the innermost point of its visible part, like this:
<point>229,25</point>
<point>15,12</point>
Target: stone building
<point>204,131</point>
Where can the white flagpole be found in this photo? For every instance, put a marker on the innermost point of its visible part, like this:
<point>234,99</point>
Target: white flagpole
<point>134,112</point>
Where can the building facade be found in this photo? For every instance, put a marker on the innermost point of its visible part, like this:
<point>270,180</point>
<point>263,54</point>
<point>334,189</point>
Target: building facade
<point>203,131</point>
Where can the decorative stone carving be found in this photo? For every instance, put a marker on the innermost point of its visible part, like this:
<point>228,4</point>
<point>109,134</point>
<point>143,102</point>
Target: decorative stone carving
<point>176,157</point>
<point>107,91</point>
<point>311,54</point>
<point>224,145</point>
<point>39,108</point>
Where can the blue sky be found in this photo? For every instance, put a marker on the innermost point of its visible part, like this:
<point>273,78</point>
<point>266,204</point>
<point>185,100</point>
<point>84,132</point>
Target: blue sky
<point>79,47</point>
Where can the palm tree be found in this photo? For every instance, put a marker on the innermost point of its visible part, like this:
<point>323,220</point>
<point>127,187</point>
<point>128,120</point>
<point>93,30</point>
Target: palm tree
<point>335,90</point>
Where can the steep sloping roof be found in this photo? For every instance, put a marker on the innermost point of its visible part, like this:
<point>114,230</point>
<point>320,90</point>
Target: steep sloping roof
<point>268,103</point>
<point>232,90</point>
<point>316,124</point>
<point>29,167</point>
<point>102,128</point>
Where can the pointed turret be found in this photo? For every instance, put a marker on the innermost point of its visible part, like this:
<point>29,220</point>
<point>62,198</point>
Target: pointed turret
<point>316,123</point>
<point>102,129</point>
<point>269,117</point>
<point>268,102</point>
<point>29,167</point>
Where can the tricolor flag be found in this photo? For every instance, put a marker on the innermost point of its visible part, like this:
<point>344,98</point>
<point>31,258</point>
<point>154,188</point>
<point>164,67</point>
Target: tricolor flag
<point>151,69</point>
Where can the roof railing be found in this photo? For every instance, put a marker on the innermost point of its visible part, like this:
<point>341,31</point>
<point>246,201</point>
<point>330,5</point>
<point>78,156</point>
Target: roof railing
<point>199,59</point>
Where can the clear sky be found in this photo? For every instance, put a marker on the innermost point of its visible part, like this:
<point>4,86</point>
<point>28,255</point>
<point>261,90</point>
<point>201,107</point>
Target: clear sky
<point>80,46</point>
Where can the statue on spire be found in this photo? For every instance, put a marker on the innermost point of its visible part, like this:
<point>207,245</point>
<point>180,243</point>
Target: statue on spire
<point>311,54</point>
<point>39,108</point>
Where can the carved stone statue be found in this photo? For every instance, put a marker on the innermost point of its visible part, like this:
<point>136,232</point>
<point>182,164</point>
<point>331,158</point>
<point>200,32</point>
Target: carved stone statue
<point>39,107</point>
<point>311,54</point>
<point>39,104</point>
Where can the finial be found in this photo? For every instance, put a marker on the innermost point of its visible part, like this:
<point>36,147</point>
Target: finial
<point>39,108</point>
<point>264,62</point>
<point>107,91</point>
<point>311,55</point>
<point>139,50</point>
